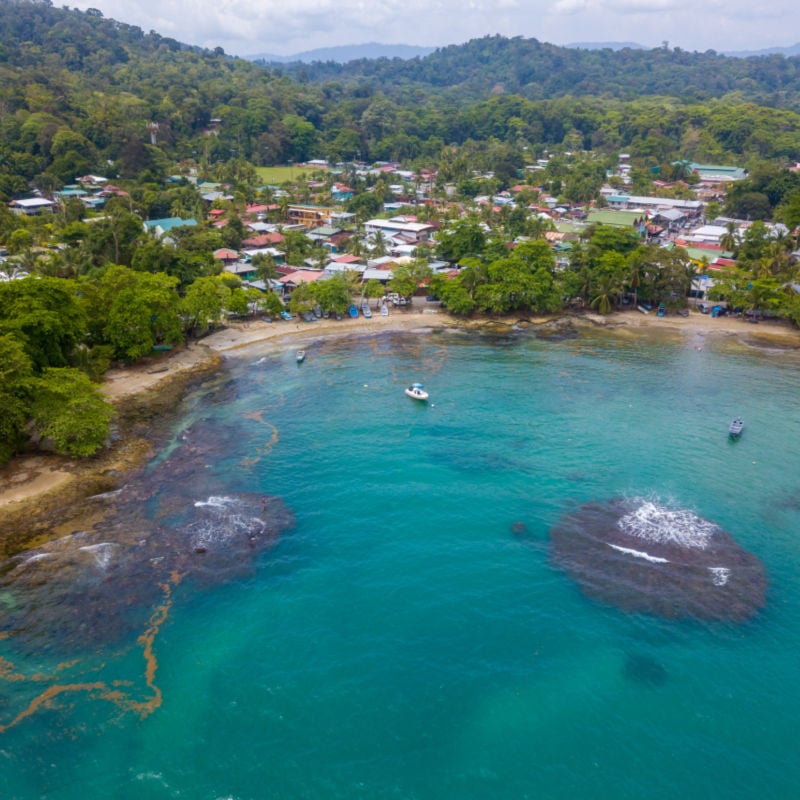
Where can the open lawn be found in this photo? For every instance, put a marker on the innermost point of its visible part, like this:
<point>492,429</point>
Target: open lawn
<point>622,219</point>
<point>277,175</point>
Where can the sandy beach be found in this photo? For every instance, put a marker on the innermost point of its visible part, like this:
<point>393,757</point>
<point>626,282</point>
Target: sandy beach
<point>27,480</point>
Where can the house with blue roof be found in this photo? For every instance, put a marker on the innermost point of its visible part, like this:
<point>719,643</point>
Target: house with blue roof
<point>160,227</point>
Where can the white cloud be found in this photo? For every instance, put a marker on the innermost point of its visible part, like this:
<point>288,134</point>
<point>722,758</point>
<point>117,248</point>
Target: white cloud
<point>272,26</point>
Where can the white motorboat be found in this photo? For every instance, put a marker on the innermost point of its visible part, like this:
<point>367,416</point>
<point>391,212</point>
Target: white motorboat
<point>416,392</point>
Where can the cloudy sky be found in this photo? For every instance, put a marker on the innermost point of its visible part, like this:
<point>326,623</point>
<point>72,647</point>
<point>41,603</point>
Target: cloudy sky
<point>283,27</point>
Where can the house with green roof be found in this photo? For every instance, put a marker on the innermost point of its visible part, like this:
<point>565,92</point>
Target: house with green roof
<point>715,173</point>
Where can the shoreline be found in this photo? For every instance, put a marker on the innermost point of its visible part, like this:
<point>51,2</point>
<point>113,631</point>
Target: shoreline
<point>30,484</point>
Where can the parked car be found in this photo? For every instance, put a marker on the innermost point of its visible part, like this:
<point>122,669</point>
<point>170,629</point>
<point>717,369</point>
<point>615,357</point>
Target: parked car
<point>703,308</point>
<point>286,315</point>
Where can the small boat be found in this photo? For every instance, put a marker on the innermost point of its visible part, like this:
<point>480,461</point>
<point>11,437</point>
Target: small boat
<point>384,310</point>
<point>353,311</point>
<point>416,392</point>
<point>301,356</point>
<point>736,427</point>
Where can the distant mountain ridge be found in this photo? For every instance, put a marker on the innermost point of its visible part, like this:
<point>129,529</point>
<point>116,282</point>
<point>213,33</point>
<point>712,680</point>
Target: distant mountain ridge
<point>341,54</point>
<point>791,50</point>
<point>606,46</point>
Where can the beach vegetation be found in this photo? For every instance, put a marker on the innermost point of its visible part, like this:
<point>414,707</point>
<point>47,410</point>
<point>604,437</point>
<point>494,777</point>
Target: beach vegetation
<point>45,316</point>
<point>137,311</point>
<point>204,304</point>
<point>335,295</point>
<point>16,374</point>
<point>68,410</point>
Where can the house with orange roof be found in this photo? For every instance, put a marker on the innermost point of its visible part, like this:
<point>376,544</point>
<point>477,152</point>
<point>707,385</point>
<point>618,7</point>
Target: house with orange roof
<point>294,279</point>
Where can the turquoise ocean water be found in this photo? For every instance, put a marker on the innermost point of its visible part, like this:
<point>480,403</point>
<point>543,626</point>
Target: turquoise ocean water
<point>400,640</point>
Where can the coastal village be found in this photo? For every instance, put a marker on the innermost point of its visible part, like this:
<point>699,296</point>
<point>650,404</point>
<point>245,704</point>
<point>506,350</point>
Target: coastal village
<point>309,212</point>
<point>401,428</point>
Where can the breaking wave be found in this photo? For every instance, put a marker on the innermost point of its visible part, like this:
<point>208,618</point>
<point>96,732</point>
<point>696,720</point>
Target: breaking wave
<point>719,575</point>
<point>101,552</point>
<point>216,502</point>
<point>656,523</point>
<point>640,554</point>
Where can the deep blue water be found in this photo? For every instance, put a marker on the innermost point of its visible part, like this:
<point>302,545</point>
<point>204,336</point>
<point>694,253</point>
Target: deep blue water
<point>400,640</point>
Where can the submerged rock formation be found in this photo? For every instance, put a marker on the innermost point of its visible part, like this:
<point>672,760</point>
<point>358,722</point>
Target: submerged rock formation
<point>643,557</point>
<point>97,586</point>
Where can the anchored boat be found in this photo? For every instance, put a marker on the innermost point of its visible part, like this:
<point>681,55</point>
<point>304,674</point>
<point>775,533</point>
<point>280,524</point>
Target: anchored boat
<point>417,392</point>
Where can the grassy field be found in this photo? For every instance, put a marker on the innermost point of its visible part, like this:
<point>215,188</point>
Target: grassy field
<point>278,175</point>
<point>623,219</point>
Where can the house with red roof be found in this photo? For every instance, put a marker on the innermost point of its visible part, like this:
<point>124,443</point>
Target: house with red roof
<point>226,255</point>
<point>341,192</point>
<point>262,240</point>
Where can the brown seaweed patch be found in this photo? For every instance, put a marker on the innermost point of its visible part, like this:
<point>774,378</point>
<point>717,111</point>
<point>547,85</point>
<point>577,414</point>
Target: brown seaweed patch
<point>101,689</point>
<point>48,695</point>
<point>641,556</point>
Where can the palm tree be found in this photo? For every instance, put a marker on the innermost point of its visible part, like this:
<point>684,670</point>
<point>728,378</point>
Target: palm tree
<point>730,239</point>
<point>265,267</point>
<point>355,245</point>
<point>378,244</point>
<point>608,287</point>
<point>472,276</point>
<point>778,258</point>
<point>634,278</point>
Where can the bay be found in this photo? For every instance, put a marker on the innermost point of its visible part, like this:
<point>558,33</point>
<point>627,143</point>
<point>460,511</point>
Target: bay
<point>409,636</point>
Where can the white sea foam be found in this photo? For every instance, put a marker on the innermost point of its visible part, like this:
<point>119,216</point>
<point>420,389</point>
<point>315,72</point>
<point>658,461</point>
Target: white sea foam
<point>216,502</point>
<point>36,557</point>
<point>106,495</point>
<point>655,523</point>
<point>719,575</point>
<point>640,554</point>
<point>101,553</point>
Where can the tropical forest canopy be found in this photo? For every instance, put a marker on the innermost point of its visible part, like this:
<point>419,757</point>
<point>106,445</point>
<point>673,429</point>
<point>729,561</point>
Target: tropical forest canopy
<point>78,90</point>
